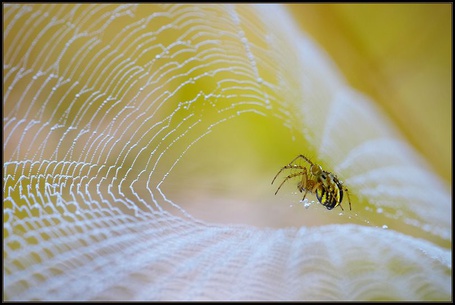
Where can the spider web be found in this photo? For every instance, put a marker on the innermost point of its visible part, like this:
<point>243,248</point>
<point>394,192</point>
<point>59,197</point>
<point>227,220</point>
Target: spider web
<point>139,146</point>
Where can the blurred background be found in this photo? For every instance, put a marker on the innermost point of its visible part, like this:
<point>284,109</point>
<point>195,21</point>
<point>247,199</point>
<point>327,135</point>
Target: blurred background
<point>400,55</point>
<point>141,116</point>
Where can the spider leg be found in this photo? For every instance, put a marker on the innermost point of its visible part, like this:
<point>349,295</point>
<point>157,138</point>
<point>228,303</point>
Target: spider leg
<point>333,195</point>
<point>315,187</point>
<point>304,195</point>
<point>287,167</point>
<point>341,207</point>
<point>308,185</point>
<point>291,165</point>
<point>302,157</point>
<point>287,178</point>
<point>349,199</point>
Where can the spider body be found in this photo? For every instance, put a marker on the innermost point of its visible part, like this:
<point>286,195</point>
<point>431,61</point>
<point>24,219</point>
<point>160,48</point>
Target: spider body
<point>325,185</point>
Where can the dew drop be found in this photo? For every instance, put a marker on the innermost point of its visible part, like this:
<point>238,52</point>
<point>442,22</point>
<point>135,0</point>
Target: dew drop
<point>306,203</point>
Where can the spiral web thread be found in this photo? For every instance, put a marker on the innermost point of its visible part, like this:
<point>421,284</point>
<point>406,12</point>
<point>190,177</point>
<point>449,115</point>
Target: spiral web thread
<point>102,102</point>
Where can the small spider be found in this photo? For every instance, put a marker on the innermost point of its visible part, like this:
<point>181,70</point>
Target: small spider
<point>326,186</point>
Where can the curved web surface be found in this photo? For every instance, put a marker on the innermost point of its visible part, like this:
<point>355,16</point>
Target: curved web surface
<point>139,146</point>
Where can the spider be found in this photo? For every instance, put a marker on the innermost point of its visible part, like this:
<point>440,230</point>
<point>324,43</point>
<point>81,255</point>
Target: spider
<point>326,186</point>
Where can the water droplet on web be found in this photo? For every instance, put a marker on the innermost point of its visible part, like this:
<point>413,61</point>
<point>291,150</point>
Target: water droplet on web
<point>306,203</point>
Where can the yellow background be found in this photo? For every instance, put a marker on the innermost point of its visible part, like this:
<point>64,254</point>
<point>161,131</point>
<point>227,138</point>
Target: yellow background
<point>401,56</point>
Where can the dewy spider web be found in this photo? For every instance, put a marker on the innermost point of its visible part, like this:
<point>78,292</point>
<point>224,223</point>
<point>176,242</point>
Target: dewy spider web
<point>139,145</point>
